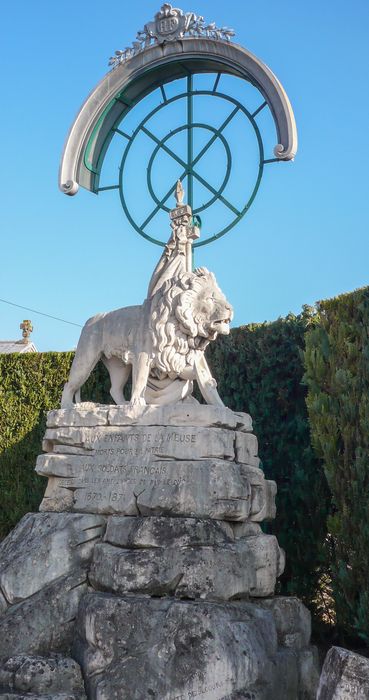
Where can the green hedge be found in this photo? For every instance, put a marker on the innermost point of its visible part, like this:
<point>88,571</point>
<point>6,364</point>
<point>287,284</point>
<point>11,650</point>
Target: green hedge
<point>30,385</point>
<point>259,370</point>
<point>337,375</point>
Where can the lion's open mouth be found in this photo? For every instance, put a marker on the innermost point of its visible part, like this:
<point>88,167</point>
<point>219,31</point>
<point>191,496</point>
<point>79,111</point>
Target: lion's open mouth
<point>221,326</point>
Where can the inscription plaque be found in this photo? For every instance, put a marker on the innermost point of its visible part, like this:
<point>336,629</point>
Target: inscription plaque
<point>153,469</point>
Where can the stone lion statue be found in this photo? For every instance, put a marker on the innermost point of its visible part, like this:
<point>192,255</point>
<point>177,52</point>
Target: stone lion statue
<point>161,343</point>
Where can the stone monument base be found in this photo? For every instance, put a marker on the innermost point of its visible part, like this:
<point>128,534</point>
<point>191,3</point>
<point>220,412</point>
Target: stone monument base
<point>135,647</point>
<point>148,566</point>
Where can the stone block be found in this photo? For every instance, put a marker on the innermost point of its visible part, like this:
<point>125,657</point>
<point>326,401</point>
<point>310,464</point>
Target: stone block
<point>183,413</point>
<point>43,623</point>
<point>180,414</point>
<point>345,676</point>
<point>157,532</point>
<point>263,493</point>
<point>245,529</point>
<point>84,414</point>
<point>286,677</point>
<point>292,620</point>
<point>246,448</point>
<point>308,664</point>
<point>182,470</point>
<point>39,675</point>
<point>204,489</point>
<point>134,647</point>
<point>248,567</point>
<point>141,444</point>
<point>44,547</point>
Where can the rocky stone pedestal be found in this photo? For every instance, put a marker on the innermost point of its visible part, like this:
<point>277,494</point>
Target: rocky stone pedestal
<point>147,565</point>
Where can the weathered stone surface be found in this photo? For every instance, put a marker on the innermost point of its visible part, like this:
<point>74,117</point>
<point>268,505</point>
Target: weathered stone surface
<point>135,647</point>
<point>246,449</point>
<point>204,489</point>
<point>31,696</point>
<point>135,469</point>
<point>292,620</point>
<point>145,444</point>
<point>43,623</point>
<point>3,603</point>
<point>40,675</point>
<point>263,493</point>
<point>309,670</point>
<point>345,676</point>
<point>85,414</point>
<point>159,532</point>
<point>44,547</point>
<point>250,566</point>
<point>180,414</point>
<point>245,529</point>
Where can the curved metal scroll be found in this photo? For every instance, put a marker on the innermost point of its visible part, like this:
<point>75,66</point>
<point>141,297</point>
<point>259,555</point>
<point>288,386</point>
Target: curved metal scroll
<point>93,128</point>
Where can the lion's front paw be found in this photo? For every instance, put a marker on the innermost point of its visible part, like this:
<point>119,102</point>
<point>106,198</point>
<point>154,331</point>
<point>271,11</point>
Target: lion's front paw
<point>139,401</point>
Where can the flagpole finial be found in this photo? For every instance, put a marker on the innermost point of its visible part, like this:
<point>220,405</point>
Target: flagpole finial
<point>179,193</point>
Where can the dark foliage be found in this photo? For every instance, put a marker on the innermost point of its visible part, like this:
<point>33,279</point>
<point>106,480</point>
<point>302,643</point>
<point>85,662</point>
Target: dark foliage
<point>337,375</point>
<point>259,370</point>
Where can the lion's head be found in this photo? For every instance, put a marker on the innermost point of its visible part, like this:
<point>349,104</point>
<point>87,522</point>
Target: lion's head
<point>187,313</point>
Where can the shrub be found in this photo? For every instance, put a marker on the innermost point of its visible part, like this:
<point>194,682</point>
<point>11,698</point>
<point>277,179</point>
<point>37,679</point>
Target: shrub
<point>30,385</point>
<point>259,370</point>
<point>337,375</point>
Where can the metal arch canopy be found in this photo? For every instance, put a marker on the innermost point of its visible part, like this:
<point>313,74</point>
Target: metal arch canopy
<point>129,82</point>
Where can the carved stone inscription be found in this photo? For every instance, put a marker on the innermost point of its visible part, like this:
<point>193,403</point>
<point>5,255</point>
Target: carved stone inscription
<point>109,485</point>
<point>94,482</point>
<point>138,444</point>
<point>151,470</point>
<point>212,690</point>
<point>154,470</point>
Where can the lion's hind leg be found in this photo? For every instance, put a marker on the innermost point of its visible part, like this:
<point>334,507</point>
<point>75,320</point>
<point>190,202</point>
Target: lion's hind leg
<point>119,375</point>
<point>82,366</point>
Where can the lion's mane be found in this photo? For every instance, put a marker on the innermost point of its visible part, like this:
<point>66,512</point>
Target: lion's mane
<point>177,330</point>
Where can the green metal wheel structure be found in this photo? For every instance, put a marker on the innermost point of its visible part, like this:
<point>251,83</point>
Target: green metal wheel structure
<point>150,69</point>
<point>189,170</point>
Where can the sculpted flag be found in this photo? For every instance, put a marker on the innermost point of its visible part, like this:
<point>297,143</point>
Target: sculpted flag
<point>177,256</point>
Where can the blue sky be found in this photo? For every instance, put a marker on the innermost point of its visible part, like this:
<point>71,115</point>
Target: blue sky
<point>305,237</point>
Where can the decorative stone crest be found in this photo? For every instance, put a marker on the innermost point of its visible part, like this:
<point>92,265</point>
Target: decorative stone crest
<point>169,24</point>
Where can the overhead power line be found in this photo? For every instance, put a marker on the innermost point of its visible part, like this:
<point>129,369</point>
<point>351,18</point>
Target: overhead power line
<point>40,313</point>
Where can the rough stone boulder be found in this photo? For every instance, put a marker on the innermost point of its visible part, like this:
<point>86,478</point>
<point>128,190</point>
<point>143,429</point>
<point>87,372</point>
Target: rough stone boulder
<point>345,676</point>
<point>184,557</point>
<point>43,575</point>
<point>55,677</point>
<point>133,648</point>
